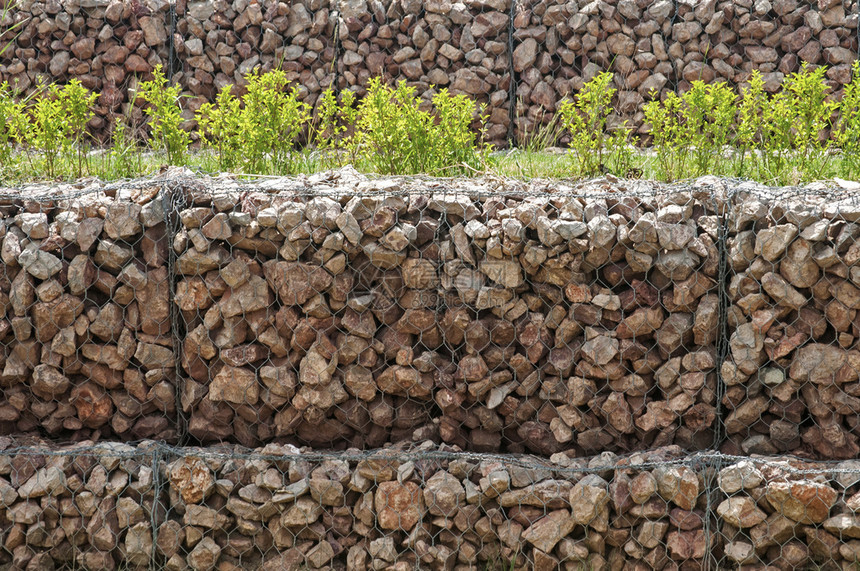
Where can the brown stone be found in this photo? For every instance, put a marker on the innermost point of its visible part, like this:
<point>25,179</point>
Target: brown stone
<point>801,501</point>
<point>398,506</point>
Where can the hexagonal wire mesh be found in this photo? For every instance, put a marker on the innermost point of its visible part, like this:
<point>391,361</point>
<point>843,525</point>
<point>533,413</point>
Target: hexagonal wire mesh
<point>403,310</point>
<point>786,513</point>
<point>87,343</point>
<point>151,506</point>
<point>532,320</point>
<point>791,369</point>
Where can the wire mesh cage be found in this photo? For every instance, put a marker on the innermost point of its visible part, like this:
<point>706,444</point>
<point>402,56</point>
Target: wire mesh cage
<point>87,333</point>
<point>487,320</point>
<point>428,334</point>
<point>790,372</point>
<point>278,507</point>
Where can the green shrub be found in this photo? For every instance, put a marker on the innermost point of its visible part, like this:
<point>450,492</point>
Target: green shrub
<point>220,127</point>
<point>709,113</point>
<point>333,124</point>
<point>690,131</point>
<point>671,135</point>
<point>47,130</point>
<point>813,113</point>
<point>54,126</point>
<point>394,136</point>
<point>592,151</point>
<point>271,120</point>
<point>455,142</point>
<point>124,158</point>
<point>790,144</point>
<point>750,125</point>
<point>165,116</point>
<point>76,103</point>
<point>260,132</point>
<point>12,121</point>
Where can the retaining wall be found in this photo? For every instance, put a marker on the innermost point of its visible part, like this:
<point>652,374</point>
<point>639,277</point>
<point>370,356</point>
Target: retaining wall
<point>419,327</point>
<point>338,311</point>
<point>520,58</point>
<point>119,506</point>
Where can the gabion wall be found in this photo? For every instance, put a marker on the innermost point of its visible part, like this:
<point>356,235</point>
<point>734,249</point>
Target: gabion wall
<point>525,374</point>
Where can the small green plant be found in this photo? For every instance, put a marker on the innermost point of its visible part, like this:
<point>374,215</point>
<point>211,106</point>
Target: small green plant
<point>847,133</point>
<point>123,159</point>
<point>391,128</point>
<point>542,135</point>
<point>809,99</point>
<point>332,126</point>
<point>258,133</point>
<point>76,103</point>
<point>272,120</point>
<point>455,141</point>
<point>671,134</point>
<point>395,136</point>
<point>750,125</point>
<point>220,127</point>
<point>585,119</point>
<point>165,116</point>
<point>709,114</point>
<point>47,130</point>
<point>12,120</point>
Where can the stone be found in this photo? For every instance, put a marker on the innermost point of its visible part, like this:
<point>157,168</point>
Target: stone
<point>741,512</point>
<point>781,291</point>
<point>821,363</point>
<point>302,513</point>
<point>550,494</point>
<point>191,478</point>
<point>684,545</point>
<point>771,243</point>
<point>205,555</point>
<point>34,225</point>
<point>805,502</point>
<point>138,544</point>
<point>235,385</point>
<point>113,256</point>
<point>48,382</point>
<point>123,221</point>
<point>197,263</point>
<point>506,273</point>
<point>92,404</point>
<point>741,476</point>
<point>588,497</point>
<point>677,484</point>
<point>600,350</point>
<point>546,532</point>
<point>398,506</point>
<point>525,54</point>
<point>40,264</point>
<point>46,481</point>
<point>444,494</point>
<point>843,525</point>
<point>295,283</point>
